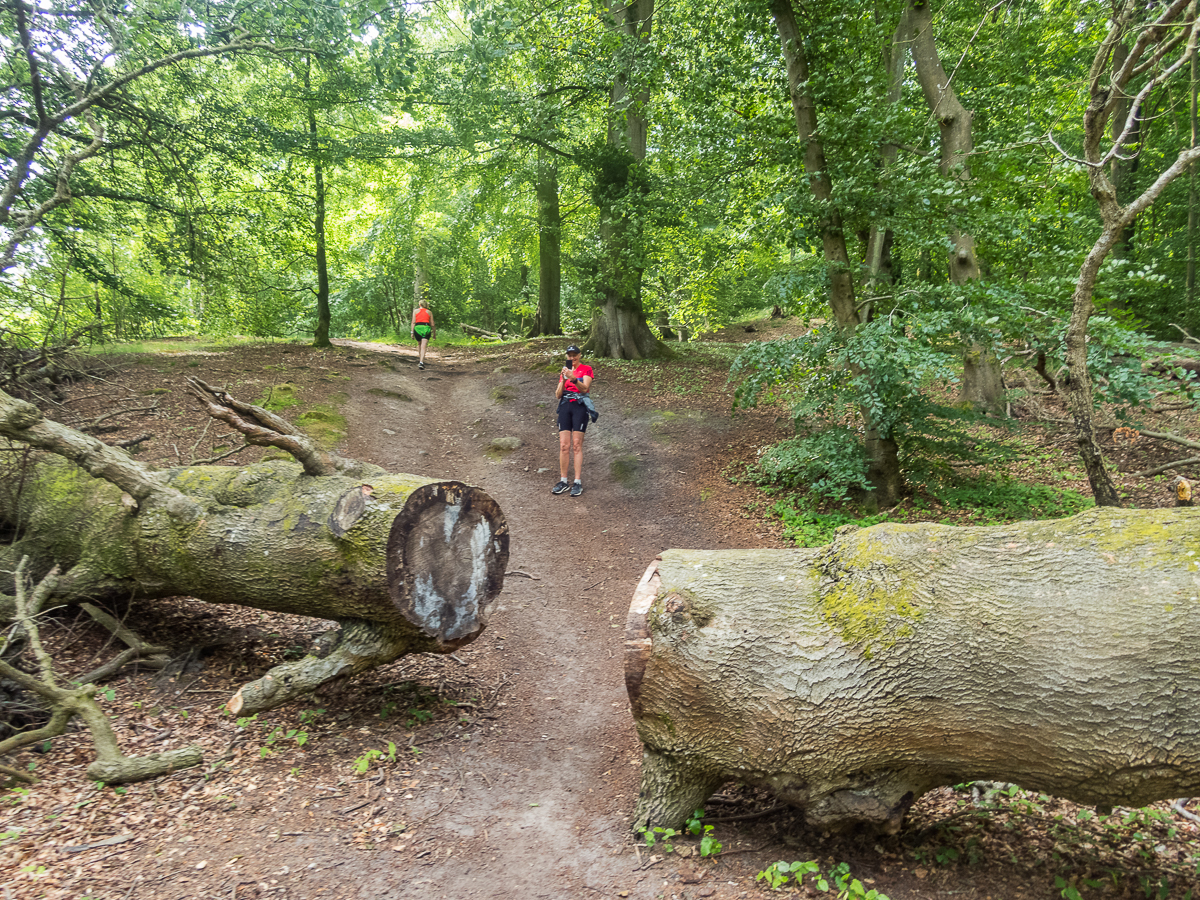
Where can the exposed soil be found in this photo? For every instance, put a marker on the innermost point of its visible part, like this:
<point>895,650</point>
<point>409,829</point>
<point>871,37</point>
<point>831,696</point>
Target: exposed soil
<point>510,768</point>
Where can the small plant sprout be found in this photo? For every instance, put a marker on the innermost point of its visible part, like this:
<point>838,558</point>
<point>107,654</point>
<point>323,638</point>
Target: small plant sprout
<point>777,875</point>
<point>363,763</point>
<point>709,845</point>
<point>653,836</point>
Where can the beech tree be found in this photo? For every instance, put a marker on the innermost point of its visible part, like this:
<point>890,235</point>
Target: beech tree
<point>72,68</point>
<point>404,564</point>
<point>1163,45</point>
<point>619,327</point>
<point>882,451</point>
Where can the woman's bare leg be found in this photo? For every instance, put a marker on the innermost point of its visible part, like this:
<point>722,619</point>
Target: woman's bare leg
<point>577,441</point>
<point>564,453</point>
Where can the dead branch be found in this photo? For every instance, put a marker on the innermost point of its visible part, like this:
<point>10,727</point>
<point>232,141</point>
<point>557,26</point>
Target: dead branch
<point>150,655</point>
<point>220,456</point>
<point>10,772</point>
<point>111,765</point>
<point>1178,806</point>
<point>133,441</point>
<point>1166,467</point>
<point>1173,438</point>
<point>96,423</point>
<point>263,428</point>
<point>24,422</point>
<point>1185,334</point>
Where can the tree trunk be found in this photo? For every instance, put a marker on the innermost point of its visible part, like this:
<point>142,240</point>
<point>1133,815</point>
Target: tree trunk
<point>982,385</point>
<point>663,323</point>
<point>622,333</point>
<point>879,240</point>
<point>883,454</point>
<point>1170,43</point>
<point>851,679</point>
<point>1123,166</point>
<point>1077,386</point>
<point>1192,193</point>
<point>321,336</point>
<point>619,328</point>
<point>405,564</point>
<point>548,319</point>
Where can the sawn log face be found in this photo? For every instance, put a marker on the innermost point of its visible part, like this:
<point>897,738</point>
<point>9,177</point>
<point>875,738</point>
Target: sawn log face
<point>1061,655</point>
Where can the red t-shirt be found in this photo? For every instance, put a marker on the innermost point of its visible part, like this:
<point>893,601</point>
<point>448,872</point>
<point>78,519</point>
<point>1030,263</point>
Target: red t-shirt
<point>579,372</point>
<point>422,316</point>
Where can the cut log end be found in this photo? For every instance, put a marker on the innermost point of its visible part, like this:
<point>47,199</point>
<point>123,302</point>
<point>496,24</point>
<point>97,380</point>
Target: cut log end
<point>447,553</point>
<point>638,644</point>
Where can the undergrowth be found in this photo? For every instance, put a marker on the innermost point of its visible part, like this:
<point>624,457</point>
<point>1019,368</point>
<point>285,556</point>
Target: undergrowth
<point>966,500</point>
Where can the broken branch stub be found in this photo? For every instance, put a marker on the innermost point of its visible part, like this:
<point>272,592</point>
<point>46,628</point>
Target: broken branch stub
<point>850,679</point>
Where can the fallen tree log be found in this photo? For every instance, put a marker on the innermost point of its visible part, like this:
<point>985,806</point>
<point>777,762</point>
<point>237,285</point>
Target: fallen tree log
<point>479,332</point>
<point>851,679</point>
<point>404,564</point>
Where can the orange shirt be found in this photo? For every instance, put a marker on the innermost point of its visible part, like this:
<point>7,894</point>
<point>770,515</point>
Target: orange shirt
<point>422,316</point>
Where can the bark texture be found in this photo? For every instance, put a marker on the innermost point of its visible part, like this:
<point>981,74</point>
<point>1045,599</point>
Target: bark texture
<point>548,320</point>
<point>982,385</point>
<point>850,679</point>
<point>619,329</point>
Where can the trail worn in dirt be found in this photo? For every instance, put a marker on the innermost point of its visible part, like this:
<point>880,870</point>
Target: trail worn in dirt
<point>543,803</point>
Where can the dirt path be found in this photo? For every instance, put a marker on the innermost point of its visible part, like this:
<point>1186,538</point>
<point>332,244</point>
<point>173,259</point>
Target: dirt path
<point>529,792</point>
<point>514,765</point>
<point>543,801</point>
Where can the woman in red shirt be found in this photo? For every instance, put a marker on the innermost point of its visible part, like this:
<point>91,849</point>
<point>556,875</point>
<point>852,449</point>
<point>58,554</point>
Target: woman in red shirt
<point>574,383</point>
<point>423,328</point>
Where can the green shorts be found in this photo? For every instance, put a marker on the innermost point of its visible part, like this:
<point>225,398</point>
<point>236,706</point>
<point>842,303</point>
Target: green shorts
<point>422,331</point>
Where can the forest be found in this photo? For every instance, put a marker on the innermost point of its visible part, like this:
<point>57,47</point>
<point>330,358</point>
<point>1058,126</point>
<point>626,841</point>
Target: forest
<point>868,285</point>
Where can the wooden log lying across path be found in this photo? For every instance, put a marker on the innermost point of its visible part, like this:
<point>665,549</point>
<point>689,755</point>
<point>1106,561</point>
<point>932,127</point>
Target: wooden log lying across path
<point>405,564</point>
<point>850,679</point>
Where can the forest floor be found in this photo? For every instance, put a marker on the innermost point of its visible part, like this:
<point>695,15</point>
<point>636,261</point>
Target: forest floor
<point>510,768</point>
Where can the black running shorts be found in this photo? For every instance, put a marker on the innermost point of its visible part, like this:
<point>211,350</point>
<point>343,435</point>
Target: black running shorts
<point>572,416</point>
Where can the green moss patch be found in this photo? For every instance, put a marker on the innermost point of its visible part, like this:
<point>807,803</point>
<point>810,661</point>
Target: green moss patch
<point>324,424</point>
<point>864,596</point>
<point>391,395</point>
<point>624,469</point>
<point>503,392</point>
<point>279,396</point>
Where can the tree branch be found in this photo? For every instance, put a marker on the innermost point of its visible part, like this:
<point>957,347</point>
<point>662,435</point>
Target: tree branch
<point>263,428</point>
<point>24,422</point>
<point>111,765</point>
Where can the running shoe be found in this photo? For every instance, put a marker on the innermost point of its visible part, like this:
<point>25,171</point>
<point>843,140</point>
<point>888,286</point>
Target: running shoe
<point>420,365</point>
<point>577,489</point>
<point>561,488</point>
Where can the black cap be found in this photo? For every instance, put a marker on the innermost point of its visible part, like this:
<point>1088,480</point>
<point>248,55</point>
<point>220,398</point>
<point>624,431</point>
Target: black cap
<point>573,349</point>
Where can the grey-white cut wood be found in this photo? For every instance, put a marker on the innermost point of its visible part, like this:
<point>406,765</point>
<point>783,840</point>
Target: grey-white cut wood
<point>1060,655</point>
